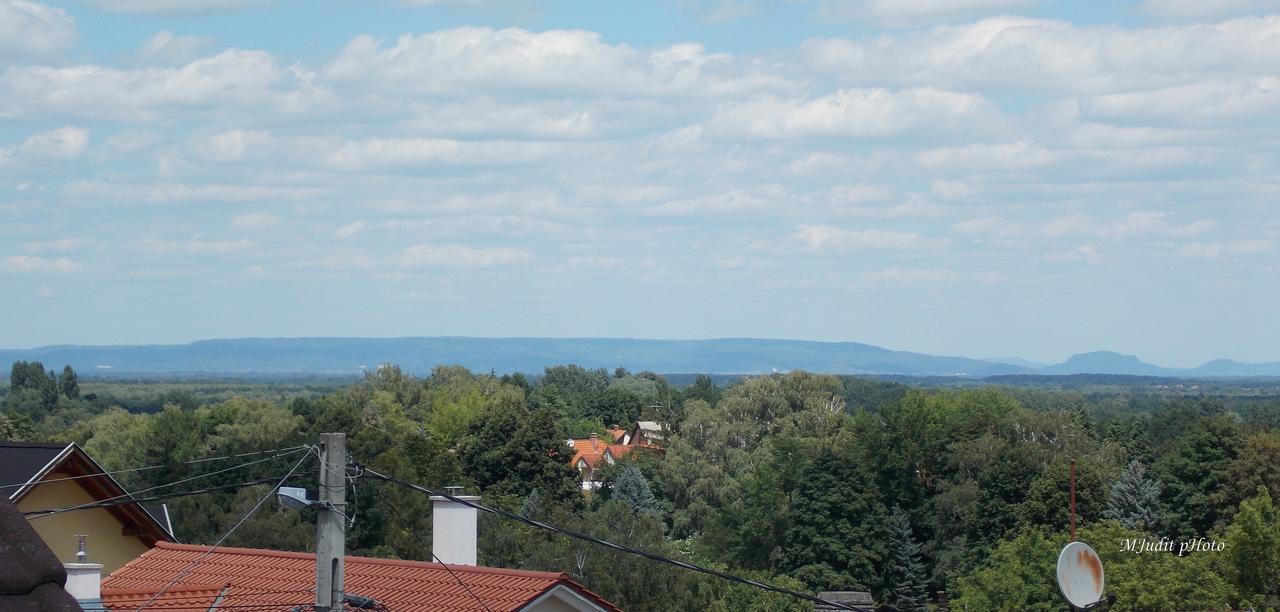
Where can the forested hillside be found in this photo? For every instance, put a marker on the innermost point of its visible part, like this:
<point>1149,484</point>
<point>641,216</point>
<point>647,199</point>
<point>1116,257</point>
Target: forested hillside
<point>812,482</point>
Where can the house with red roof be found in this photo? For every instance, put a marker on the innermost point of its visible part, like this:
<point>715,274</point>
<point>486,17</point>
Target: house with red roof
<point>250,578</point>
<point>591,454</point>
<point>194,577</point>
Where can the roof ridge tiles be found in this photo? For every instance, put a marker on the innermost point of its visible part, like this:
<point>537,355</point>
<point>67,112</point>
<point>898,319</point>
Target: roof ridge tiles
<point>285,554</point>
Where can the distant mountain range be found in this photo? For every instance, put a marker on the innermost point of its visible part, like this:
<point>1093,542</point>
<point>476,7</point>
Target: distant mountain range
<point>281,356</point>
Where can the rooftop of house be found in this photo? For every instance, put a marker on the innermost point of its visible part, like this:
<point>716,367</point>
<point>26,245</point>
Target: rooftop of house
<point>592,450</point>
<point>246,577</point>
<point>21,461</point>
<point>24,464</point>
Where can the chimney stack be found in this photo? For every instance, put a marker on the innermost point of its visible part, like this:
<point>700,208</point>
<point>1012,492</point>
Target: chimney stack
<point>84,582</point>
<point>453,528</point>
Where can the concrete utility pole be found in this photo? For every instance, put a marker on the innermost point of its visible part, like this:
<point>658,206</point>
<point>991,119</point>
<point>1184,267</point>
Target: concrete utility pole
<point>331,523</point>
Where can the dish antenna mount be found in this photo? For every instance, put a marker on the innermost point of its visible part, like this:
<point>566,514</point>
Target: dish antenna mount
<point>1080,577</point>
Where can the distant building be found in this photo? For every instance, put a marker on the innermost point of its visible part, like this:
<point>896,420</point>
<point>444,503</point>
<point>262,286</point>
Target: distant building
<point>645,432</point>
<point>54,476</point>
<point>859,600</point>
<point>591,455</point>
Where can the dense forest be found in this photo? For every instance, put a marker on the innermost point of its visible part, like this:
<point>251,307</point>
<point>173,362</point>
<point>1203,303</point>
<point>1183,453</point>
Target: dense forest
<point>811,482</point>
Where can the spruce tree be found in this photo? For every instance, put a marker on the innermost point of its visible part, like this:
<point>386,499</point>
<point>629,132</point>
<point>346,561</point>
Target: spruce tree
<point>908,588</point>
<point>633,489</point>
<point>1135,499</point>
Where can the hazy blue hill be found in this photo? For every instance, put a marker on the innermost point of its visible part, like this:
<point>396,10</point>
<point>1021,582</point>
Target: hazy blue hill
<point>350,355</point>
<point>1229,367</point>
<point>1106,362</point>
<point>285,356</point>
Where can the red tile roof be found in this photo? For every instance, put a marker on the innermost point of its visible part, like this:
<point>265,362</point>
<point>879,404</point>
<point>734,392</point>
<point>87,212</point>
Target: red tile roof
<point>280,580</point>
<point>176,598</point>
<point>592,451</point>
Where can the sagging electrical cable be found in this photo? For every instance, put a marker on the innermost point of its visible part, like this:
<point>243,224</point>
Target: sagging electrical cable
<point>131,496</point>
<point>618,547</point>
<point>198,560</point>
<point>149,467</point>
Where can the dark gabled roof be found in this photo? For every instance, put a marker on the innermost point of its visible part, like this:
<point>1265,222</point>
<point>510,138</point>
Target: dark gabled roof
<point>20,461</point>
<point>31,578</point>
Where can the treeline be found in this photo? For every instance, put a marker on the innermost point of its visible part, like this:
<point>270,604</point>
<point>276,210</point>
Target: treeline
<point>812,482</point>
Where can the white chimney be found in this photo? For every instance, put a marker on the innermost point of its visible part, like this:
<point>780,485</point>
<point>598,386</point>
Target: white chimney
<point>453,528</point>
<point>84,581</point>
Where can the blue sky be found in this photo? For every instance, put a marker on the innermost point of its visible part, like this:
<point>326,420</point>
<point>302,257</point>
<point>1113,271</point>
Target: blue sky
<point>989,178</point>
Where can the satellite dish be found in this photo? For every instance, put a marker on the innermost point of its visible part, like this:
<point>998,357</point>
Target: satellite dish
<point>1080,578</point>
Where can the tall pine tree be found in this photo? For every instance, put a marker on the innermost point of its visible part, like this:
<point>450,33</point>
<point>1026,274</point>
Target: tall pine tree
<point>908,588</point>
<point>68,384</point>
<point>1135,499</point>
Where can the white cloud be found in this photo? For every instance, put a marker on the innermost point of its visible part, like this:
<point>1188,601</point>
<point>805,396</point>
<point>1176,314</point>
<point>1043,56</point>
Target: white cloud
<point>556,62</point>
<point>64,143</point>
<point>1019,155</point>
<point>176,7</point>
<point>1212,250</point>
<point>1136,223</point>
<point>195,246</point>
<point>827,237</point>
<point>1023,54</point>
<point>349,230</point>
<point>950,190</point>
<point>233,78</point>
<point>460,256</point>
<point>34,263</point>
<point>1085,253</point>
<point>179,192</point>
<point>166,48</point>
<point>914,12</point>
<point>33,30</point>
<point>733,201</point>
<point>60,245</point>
<point>720,11</point>
<point>913,277</point>
<point>378,152</point>
<point>1146,222</point>
<point>1071,224</point>
<point>1197,9</point>
<point>1210,103</point>
<point>988,227</point>
<point>483,115</point>
<point>232,145</point>
<point>855,113</point>
<point>255,221</point>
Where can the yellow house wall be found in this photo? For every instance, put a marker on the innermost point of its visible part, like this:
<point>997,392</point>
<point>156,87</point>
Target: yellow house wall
<point>106,543</point>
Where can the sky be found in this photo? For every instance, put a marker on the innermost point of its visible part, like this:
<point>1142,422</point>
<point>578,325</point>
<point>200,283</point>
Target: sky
<point>989,178</point>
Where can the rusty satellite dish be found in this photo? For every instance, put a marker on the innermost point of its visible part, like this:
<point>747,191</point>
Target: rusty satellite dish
<point>1080,578</point>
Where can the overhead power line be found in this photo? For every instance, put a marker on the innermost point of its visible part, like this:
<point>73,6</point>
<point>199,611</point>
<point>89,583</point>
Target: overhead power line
<point>150,467</point>
<point>455,577</point>
<point>132,496</point>
<point>198,560</point>
<point>618,547</point>
<point>35,514</point>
